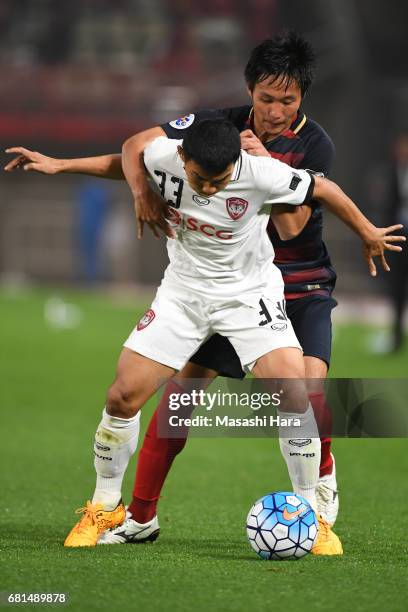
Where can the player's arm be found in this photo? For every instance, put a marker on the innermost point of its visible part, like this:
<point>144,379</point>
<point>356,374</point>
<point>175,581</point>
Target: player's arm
<point>150,208</point>
<point>290,220</point>
<point>376,240</point>
<point>103,166</point>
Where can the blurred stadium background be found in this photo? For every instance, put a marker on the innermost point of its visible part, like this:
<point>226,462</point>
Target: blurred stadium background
<point>80,77</point>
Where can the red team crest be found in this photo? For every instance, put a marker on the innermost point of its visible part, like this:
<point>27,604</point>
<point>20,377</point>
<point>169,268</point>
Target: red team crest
<point>236,208</point>
<point>146,319</point>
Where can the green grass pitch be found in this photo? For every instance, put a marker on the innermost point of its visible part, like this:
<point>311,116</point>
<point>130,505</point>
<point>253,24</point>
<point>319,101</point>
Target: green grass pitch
<point>53,383</point>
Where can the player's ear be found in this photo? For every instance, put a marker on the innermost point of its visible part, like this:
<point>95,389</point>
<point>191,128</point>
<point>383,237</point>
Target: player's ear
<point>250,92</point>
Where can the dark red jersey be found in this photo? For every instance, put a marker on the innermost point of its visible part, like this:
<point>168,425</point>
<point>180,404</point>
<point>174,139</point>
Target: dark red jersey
<point>304,260</point>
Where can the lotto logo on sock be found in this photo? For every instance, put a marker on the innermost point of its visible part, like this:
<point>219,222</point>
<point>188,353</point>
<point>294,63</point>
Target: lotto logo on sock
<point>300,442</point>
<point>146,319</point>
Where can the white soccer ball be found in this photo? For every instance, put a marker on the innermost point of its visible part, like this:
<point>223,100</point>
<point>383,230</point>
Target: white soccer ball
<point>282,525</point>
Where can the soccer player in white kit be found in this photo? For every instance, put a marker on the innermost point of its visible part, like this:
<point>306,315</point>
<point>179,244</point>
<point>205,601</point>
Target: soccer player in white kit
<point>221,278</point>
<point>221,263</point>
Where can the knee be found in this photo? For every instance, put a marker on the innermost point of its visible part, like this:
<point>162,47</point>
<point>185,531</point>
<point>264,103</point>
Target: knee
<point>295,397</point>
<point>121,401</point>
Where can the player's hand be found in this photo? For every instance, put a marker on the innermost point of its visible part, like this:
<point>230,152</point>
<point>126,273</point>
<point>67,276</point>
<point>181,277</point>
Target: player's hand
<point>32,161</point>
<point>252,145</point>
<point>379,241</point>
<point>153,211</point>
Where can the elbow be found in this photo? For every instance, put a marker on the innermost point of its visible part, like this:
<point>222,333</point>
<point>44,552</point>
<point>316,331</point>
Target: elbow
<point>127,145</point>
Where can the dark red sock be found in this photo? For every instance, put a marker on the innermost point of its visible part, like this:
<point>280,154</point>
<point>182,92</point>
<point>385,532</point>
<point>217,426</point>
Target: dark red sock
<point>324,422</point>
<point>155,459</point>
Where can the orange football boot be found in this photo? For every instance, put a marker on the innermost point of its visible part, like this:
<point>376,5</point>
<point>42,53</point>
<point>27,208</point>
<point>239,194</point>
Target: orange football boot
<point>327,543</point>
<point>94,522</point>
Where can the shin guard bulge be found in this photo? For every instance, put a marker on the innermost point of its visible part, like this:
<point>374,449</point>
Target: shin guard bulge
<point>115,442</point>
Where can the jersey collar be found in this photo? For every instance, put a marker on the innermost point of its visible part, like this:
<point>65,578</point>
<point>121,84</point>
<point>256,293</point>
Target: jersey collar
<point>294,128</point>
<point>297,124</point>
<point>237,169</point>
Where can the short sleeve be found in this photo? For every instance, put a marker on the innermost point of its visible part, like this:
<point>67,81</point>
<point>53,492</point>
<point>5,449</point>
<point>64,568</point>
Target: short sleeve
<point>154,152</point>
<point>282,183</point>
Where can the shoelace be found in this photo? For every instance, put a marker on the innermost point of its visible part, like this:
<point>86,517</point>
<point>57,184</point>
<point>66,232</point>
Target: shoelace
<point>324,527</point>
<point>90,513</point>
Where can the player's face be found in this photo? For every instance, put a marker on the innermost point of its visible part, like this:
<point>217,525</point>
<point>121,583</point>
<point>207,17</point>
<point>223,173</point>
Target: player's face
<point>275,105</point>
<point>206,184</point>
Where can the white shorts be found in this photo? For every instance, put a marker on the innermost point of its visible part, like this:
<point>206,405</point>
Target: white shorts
<point>176,325</point>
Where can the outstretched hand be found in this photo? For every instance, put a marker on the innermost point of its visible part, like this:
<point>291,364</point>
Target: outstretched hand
<point>379,241</point>
<point>32,161</point>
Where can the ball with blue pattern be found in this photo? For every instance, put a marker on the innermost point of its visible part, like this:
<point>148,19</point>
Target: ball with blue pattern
<point>282,525</point>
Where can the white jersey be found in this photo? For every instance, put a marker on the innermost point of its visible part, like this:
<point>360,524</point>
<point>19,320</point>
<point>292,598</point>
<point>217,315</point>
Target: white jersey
<point>222,248</point>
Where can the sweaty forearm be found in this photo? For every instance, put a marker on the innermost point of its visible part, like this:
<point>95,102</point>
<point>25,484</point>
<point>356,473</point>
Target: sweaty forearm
<point>335,200</point>
<point>132,159</point>
<point>103,166</point>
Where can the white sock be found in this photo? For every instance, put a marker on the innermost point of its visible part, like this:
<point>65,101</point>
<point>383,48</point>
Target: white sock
<point>115,442</point>
<point>301,448</point>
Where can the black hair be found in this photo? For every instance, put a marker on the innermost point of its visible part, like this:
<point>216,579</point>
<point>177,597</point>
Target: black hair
<point>285,57</point>
<point>213,144</point>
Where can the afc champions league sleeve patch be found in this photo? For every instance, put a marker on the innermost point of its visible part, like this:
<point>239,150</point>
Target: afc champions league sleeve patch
<point>295,181</point>
<point>183,122</point>
<point>146,319</point>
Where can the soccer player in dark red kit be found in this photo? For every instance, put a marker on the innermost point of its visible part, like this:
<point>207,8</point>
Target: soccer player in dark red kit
<point>279,73</point>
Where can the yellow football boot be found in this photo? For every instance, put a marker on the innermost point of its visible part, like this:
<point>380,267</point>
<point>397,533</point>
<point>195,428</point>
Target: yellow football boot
<point>94,522</point>
<point>327,543</point>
